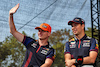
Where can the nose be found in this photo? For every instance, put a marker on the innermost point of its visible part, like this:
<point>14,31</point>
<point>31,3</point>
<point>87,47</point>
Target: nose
<point>73,27</point>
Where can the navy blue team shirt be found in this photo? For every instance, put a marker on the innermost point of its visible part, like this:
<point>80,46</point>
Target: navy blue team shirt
<point>81,47</point>
<point>36,54</point>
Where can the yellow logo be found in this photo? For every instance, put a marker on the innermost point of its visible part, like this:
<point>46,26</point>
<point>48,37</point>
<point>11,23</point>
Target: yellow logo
<point>97,46</point>
<point>77,19</point>
<point>72,40</point>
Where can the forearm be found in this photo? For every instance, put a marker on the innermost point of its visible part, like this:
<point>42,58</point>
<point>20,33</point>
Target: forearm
<point>91,58</point>
<point>48,63</point>
<point>70,62</point>
<point>73,66</point>
<point>45,65</point>
<point>88,60</point>
<point>13,31</point>
<point>11,24</point>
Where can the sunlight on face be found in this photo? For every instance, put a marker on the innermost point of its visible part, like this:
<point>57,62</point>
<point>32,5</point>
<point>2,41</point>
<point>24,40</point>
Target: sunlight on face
<point>76,28</point>
<point>43,34</point>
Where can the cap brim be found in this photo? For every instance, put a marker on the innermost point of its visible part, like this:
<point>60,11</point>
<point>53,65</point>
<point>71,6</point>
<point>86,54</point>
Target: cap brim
<point>70,22</point>
<point>37,28</point>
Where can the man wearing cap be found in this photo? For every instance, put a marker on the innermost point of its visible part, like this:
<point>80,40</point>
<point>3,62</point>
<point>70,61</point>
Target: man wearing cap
<point>39,53</point>
<point>80,51</point>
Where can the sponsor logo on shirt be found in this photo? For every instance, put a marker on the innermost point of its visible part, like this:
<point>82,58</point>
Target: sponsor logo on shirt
<point>46,49</point>
<point>86,43</point>
<point>54,56</point>
<point>44,52</point>
<point>34,45</point>
<point>72,44</point>
<point>97,47</point>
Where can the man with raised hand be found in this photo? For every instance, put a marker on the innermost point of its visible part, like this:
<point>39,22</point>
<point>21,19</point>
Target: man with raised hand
<point>39,53</point>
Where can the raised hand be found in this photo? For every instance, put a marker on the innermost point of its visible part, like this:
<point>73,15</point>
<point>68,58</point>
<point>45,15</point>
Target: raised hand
<point>14,9</point>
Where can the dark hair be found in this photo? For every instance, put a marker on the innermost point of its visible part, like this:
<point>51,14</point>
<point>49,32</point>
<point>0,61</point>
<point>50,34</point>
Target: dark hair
<point>84,27</point>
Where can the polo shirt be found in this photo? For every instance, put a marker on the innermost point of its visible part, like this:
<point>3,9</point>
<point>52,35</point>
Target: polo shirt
<point>36,54</point>
<point>81,47</point>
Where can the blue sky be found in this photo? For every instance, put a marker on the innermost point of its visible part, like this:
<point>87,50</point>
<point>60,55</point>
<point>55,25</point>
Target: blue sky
<point>34,12</point>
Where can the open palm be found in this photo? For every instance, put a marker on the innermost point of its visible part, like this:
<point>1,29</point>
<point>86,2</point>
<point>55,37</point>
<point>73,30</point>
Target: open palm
<point>14,9</point>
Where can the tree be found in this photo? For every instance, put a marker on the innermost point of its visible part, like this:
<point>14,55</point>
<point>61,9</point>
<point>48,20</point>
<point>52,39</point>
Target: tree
<point>4,51</point>
<point>14,51</point>
<point>58,39</point>
<point>88,32</point>
<point>11,48</point>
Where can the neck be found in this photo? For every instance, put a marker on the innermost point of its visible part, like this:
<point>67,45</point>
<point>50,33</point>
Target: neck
<point>80,36</point>
<point>43,42</point>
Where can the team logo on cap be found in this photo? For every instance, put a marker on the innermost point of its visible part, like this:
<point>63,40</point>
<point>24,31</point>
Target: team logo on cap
<point>77,19</point>
<point>44,26</point>
<point>82,20</point>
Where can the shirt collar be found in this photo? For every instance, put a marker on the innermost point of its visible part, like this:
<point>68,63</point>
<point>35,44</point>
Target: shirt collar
<point>48,45</point>
<point>84,37</point>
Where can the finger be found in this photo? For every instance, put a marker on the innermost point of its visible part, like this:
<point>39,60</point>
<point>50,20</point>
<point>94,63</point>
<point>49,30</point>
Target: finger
<point>66,64</point>
<point>17,6</point>
<point>14,9</point>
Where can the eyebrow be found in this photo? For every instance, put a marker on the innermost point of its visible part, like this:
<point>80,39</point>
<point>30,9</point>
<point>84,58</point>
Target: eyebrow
<point>42,30</point>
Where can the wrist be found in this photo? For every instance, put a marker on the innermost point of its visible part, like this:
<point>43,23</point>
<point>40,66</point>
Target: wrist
<point>76,61</point>
<point>73,61</point>
<point>79,60</point>
<point>11,14</point>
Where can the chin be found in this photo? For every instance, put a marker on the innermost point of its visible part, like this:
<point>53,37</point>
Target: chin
<point>75,34</point>
<point>40,37</point>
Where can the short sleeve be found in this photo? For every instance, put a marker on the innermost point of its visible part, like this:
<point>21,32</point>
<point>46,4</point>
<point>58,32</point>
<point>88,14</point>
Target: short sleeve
<point>27,41</point>
<point>51,54</point>
<point>66,48</point>
<point>94,45</point>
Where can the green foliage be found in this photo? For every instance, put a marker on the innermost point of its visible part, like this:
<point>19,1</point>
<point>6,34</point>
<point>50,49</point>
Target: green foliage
<point>60,36</point>
<point>58,39</point>
<point>59,55</point>
<point>88,32</point>
<point>16,50</point>
<point>13,49</point>
<point>33,36</point>
<point>4,51</point>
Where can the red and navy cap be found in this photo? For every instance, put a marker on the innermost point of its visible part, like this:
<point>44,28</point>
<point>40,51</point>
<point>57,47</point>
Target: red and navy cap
<point>76,20</point>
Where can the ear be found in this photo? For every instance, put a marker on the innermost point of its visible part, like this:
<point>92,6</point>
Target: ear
<point>83,26</point>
